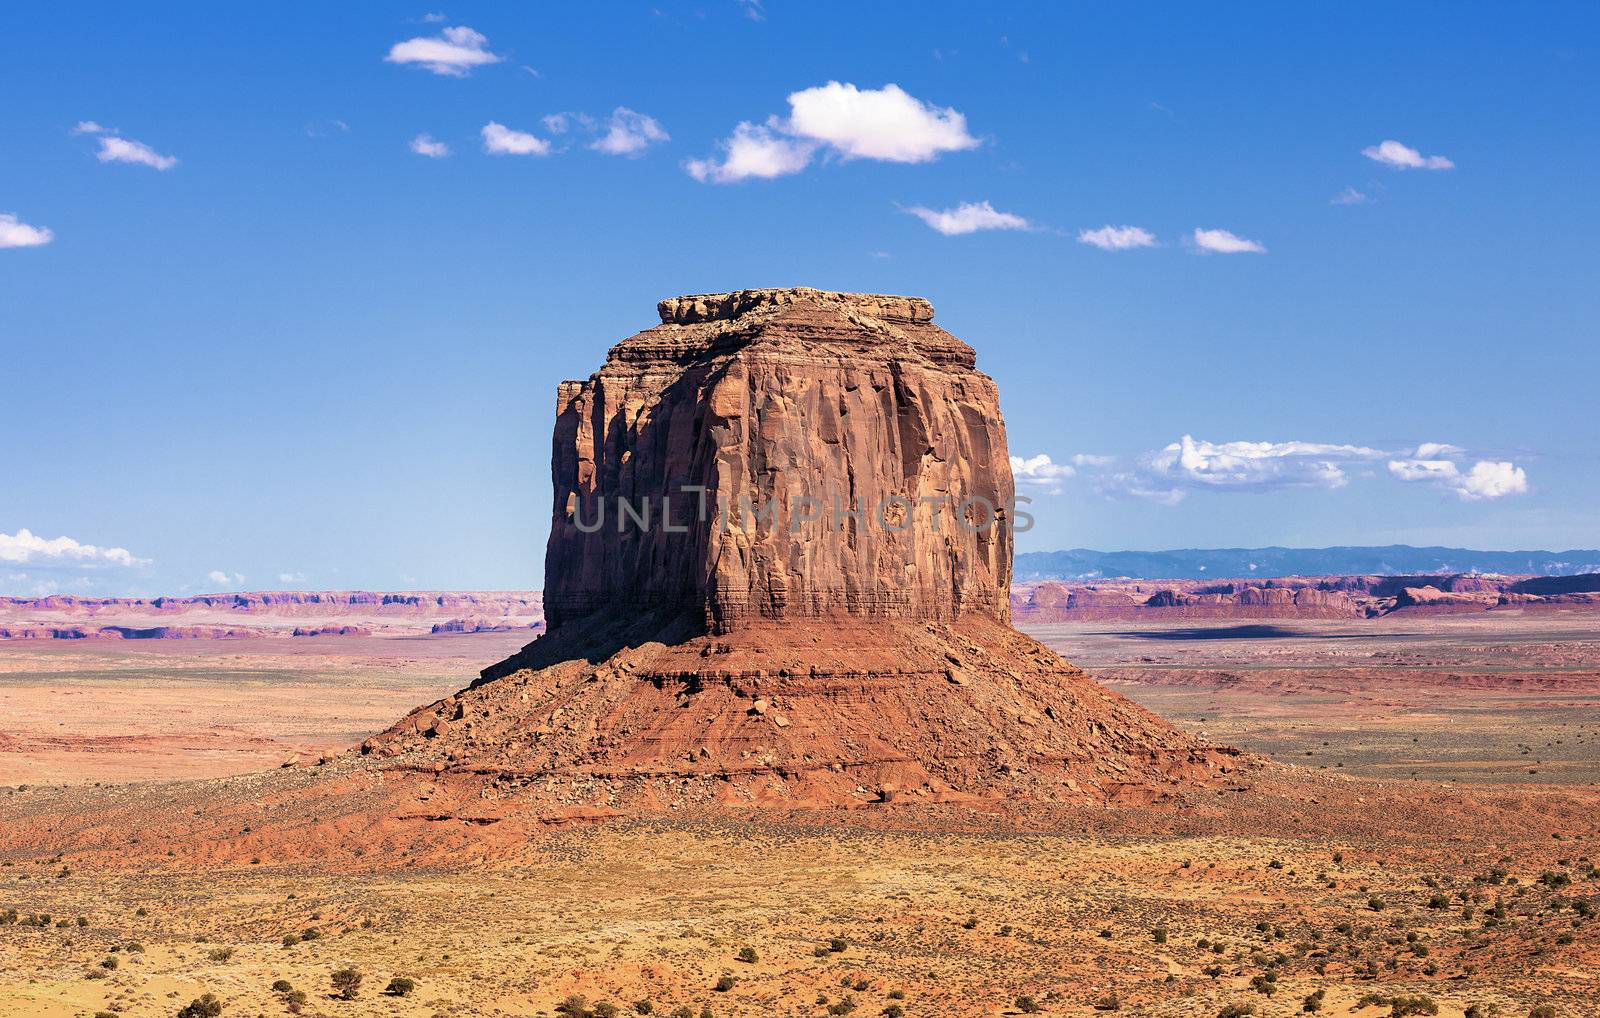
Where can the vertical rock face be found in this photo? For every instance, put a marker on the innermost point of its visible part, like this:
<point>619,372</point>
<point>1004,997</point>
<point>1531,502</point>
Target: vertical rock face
<point>832,631</point>
<point>773,454</point>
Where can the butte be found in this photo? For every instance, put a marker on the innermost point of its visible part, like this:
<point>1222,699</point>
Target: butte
<point>777,576</point>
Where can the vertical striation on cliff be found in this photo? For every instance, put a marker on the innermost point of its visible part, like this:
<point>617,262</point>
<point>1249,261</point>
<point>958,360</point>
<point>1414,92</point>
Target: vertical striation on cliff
<point>778,575</point>
<point>782,454</point>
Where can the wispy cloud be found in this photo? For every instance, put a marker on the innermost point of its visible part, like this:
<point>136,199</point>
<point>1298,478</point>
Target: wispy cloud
<point>969,217</point>
<point>1190,465</point>
<point>1117,238</point>
<point>424,145</point>
<point>1404,157</point>
<point>629,134</point>
<point>842,121</point>
<point>88,127</point>
<point>500,140</point>
<point>1225,242</point>
<point>454,52</point>
<point>223,579</point>
<point>24,547</point>
<point>752,151</point>
<point>15,233</point>
<point>1350,196</point>
<point>1040,472</point>
<point>1435,463</point>
<point>114,149</point>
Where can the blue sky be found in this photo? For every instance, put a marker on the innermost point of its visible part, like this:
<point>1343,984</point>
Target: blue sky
<point>254,338</point>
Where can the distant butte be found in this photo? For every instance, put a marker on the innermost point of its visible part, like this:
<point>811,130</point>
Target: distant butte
<point>777,575</point>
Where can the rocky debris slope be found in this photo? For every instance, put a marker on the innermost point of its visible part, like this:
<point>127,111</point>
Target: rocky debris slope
<point>784,663</point>
<point>267,614</point>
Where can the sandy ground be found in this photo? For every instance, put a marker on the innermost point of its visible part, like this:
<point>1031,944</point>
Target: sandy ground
<point>652,916</point>
<point>113,711</point>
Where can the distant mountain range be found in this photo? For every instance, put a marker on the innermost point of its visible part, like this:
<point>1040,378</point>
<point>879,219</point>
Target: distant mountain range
<point>1206,563</point>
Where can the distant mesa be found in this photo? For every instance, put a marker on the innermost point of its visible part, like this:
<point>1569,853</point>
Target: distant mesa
<point>777,576</point>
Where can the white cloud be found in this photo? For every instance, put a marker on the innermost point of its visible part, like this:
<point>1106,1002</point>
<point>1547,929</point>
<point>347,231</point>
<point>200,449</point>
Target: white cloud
<point>501,140</point>
<point>1085,459</point>
<point>1434,450</point>
<point>24,547</point>
<point>885,123</point>
<point>629,133</point>
<point>291,577</point>
<point>125,150</point>
<point>1487,479</point>
<point>753,151</point>
<point>969,217</point>
<point>1117,238</point>
<point>1404,157</point>
<point>221,578</point>
<point>432,18</point>
<point>1040,472</point>
<point>1224,242</point>
<point>1190,464</point>
<point>453,52</point>
<point>424,145</point>
<point>88,127</point>
<point>15,233</point>
<point>1349,196</point>
<point>842,120</point>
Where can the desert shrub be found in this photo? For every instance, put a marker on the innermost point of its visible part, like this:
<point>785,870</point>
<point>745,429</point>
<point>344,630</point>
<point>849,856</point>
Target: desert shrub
<point>893,1011</point>
<point>1420,1004</point>
<point>838,945</point>
<point>1110,1002</point>
<point>204,1006</point>
<point>605,1009</point>
<point>575,1006</point>
<point>1375,903</point>
<point>1439,901</point>
<point>1027,1005</point>
<point>748,955</point>
<point>109,963</point>
<point>310,934</point>
<point>400,986</point>
<point>1159,934</point>
<point>643,1007</point>
<point>897,995</point>
<point>1543,1011</point>
<point>1237,1011</point>
<point>220,953</point>
<point>291,939</point>
<point>844,1005</point>
<point>1313,1001</point>
<point>970,924</point>
<point>1266,983</point>
<point>83,921</point>
<point>724,983</point>
<point>281,986</point>
<point>347,983</point>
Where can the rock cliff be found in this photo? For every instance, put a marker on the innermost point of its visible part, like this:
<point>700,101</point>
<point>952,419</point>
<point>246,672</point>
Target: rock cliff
<point>807,655</point>
<point>782,454</point>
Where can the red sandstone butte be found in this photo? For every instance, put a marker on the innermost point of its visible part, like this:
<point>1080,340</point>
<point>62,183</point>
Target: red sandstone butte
<point>784,661</point>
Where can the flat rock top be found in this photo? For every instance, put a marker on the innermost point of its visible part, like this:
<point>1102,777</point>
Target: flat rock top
<point>722,307</point>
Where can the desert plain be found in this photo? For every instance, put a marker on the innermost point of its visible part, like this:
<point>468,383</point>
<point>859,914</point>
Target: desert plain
<point>1422,842</point>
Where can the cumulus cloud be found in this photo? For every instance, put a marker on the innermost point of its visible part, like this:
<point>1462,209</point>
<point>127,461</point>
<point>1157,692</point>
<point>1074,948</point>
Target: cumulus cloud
<point>1224,242</point>
<point>114,149</point>
<point>839,119</point>
<point>1117,238</point>
<point>969,217</point>
<point>1486,479</point>
<point>24,547</point>
<point>221,578</point>
<point>88,127</point>
<point>752,151</point>
<point>15,233</point>
<point>500,140</point>
<point>629,133</point>
<point>1404,157</point>
<point>424,145</point>
<point>453,52</point>
<point>1040,472</point>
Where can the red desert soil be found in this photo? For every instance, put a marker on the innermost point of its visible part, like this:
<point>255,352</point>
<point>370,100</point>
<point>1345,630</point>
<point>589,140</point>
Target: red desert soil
<point>794,769</point>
